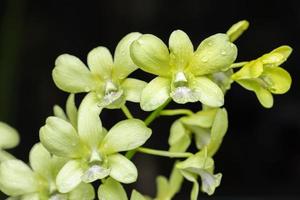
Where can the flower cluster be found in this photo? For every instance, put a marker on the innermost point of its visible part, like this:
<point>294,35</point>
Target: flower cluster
<point>75,150</point>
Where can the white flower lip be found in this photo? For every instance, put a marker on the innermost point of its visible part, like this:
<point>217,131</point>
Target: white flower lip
<point>95,172</point>
<point>183,95</point>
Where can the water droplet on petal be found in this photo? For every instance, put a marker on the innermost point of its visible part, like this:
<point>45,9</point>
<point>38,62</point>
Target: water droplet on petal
<point>209,43</point>
<point>223,52</point>
<point>204,59</point>
<point>232,45</point>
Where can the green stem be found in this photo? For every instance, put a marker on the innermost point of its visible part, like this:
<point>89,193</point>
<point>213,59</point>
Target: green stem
<point>164,153</point>
<point>126,112</point>
<point>130,153</point>
<point>156,113</point>
<point>176,112</point>
<point>239,64</point>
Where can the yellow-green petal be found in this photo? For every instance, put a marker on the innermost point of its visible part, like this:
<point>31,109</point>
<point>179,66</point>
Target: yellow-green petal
<point>155,94</point>
<point>192,178</point>
<point>175,181</point>
<point>122,169</point>
<point>177,131</point>
<point>40,160</point>
<point>218,130</point>
<point>133,89</point>
<point>34,196</point>
<point>71,75</point>
<point>111,190</point>
<point>69,177</point>
<point>125,135</point>
<point>284,50</point>
<point>202,118</point>
<point>264,96</point>
<point>237,29</point>
<point>251,70</point>
<point>277,56</point>
<point>60,138</point>
<point>57,163</point>
<point>162,185</point>
<point>59,112</point>
<point>4,155</point>
<point>181,49</point>
<point>123,64</point>
<point>166,189</point>
<point>181,145</point>
<point>202,136</point>
<point>207,91</point>
<point>278,80</point>
<point>71,110</point>
<point>215,53</point>
<point>135,195</point>
<point>89,123</point>
<point>151,54</point>
<point>82,192</point>
<point>100,62</point>
<point>9,136</point>
<point>16,178</point>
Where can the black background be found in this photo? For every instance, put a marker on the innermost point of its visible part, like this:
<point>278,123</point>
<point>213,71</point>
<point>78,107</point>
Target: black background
<point>260,156</point>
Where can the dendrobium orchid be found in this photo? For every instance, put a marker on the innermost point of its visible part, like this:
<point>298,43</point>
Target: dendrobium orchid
<point>106,77</point>
<point>75,149</point>
<point>37,181</point>
<point>208,127</point>
<point>264,76</point>
<point>9,138</point>
<point>93,152</point>
<point>200,165</point>
<point>182,73</point>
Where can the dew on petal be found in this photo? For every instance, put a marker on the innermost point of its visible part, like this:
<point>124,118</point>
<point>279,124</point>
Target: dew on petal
<point>204,59</point>
<point>223,52</point>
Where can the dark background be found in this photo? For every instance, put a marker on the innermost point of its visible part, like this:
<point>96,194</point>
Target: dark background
<point>260,156</point>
